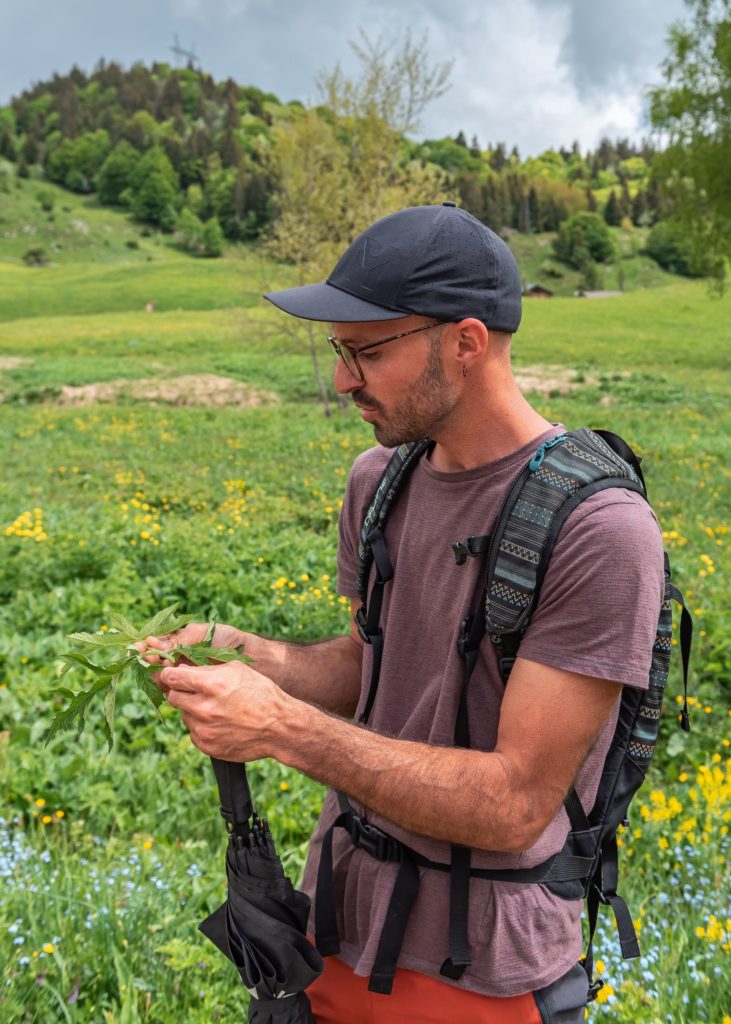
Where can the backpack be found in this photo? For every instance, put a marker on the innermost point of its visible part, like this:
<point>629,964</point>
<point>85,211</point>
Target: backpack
<point>563,472</point>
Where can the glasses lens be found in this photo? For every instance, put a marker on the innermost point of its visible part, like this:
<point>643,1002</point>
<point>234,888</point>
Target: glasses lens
<point>348,358</point>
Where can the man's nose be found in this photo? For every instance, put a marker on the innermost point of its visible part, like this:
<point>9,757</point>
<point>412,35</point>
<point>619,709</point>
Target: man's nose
<point>344,381</point>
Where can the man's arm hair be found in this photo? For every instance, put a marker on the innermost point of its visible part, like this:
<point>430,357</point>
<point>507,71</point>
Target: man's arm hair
<point>326,673</point>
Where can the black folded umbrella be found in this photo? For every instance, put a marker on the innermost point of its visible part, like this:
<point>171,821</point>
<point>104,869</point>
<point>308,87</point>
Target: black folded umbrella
<point>261,926</point>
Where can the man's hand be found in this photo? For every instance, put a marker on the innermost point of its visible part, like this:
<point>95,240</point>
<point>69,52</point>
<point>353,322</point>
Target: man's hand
<point>230,710</point>
<point>193,633</point>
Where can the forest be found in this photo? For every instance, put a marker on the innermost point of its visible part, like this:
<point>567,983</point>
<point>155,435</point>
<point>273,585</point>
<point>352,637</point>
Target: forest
<point>184,153</point>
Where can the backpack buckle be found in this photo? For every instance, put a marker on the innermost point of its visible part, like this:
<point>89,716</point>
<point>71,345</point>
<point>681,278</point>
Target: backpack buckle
<point>378,844</point>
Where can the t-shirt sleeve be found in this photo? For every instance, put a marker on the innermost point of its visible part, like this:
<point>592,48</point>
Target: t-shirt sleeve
<point>598,609</point>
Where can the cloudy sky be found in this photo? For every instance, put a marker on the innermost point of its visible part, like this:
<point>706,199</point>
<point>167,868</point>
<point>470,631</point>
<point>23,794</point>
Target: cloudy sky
<point>536,73</point>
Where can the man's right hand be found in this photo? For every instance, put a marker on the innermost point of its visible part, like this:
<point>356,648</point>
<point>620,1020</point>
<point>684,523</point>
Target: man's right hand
<point>193,633</point>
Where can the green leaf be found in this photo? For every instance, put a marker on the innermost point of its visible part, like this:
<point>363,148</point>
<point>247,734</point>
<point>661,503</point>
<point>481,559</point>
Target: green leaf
<point>202,654</point>
<point>62,691</point>
<point>144,683</point>
<point>123,626</point>
<point>166,621</point>
<point>97,639</point>
<point>76,708</point>
<point>120,660</point>
<point>109,702</point>
<point>72,658</point>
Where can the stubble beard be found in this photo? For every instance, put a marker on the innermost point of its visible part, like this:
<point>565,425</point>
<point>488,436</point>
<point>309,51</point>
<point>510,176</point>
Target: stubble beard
<point>422,411</point>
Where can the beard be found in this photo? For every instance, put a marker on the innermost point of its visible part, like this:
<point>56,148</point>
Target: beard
<point>421,411</point>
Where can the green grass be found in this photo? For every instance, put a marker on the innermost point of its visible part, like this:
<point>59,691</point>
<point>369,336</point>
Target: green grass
<point>243,505</point>
<point>629,271</point>
<point>93,269</point>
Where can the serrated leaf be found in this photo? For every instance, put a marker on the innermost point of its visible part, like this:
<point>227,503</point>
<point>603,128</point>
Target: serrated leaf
<point>97,639</point>
<point>76,708</point>
<point>109,703</point>
<point>123,626</point>
<point>145,684</point>
<point>208,638</point>
<point>73,658</point>
<point>62,691</point>
<point>200,654</point>
<point>166,621</point>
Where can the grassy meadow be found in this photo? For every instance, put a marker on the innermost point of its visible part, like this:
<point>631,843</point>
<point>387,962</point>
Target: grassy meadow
<point>109,861</point>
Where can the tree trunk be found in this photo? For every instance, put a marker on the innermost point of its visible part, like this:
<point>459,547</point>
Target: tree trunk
<point>321,385</point>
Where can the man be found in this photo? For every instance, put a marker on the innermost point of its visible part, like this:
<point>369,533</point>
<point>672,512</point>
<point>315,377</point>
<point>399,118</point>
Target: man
<point>423,305</point>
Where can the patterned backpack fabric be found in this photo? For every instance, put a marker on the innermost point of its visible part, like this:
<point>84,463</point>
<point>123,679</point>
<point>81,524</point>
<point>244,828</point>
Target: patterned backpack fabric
<point>562,473</point>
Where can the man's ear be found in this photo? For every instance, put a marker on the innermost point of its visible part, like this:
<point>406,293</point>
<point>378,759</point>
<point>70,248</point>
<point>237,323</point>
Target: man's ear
<point>472,341</point>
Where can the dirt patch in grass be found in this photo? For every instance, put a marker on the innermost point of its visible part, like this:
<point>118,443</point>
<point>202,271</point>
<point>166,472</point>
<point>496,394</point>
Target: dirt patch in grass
<point>551,380</point>
<point>13,362</point>
<point>188,390</point>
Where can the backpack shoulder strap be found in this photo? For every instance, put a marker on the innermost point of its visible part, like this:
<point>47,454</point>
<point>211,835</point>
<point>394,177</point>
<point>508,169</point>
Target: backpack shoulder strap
<point>564,471</point>
<point>397,470</point>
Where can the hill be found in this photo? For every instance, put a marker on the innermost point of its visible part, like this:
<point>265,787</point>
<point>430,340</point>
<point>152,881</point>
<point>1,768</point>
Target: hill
<point>161,139</point>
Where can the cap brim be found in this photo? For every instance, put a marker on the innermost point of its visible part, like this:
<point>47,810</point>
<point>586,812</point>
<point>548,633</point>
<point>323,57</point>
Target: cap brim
<point>326,303</point>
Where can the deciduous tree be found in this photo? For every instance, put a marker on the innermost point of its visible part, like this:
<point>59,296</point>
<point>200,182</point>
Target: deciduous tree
<point>339,169</point>
<point>693,110</point>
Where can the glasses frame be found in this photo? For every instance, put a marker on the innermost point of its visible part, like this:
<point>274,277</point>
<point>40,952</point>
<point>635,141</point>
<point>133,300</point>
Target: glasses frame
<point>351,358</point>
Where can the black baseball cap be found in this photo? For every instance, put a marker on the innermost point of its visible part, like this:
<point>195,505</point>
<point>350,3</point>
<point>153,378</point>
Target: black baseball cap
<point>435,261</point>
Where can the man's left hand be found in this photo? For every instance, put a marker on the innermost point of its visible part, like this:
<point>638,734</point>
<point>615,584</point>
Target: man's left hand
<point>230,710</point>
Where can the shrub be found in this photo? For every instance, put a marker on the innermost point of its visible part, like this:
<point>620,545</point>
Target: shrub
<point>189,231</point>
<point>584,233</point>
<point>36,256</point>
<point>669,246</point>
<point>213,240</point>
<point>46,199</point>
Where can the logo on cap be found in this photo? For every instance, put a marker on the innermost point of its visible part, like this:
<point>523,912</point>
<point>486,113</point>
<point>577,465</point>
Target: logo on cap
<point>374,260</point>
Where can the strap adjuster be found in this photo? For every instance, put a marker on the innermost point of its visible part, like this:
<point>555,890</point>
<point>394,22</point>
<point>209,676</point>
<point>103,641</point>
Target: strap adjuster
<point>463,639</point>
<point>378,844</point>
<point>604,898</point>
<point>360,622</point>
<point>505,666</point>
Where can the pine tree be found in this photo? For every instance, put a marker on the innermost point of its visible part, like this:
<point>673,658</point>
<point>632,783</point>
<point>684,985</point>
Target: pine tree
<point>639,208</point>
<point>8,149</point>
<point>612,214</point>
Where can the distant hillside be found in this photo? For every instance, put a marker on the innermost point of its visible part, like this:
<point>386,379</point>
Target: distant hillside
<point>185,154</point>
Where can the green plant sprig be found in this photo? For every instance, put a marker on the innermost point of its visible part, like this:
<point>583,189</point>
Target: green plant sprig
<point>112,657</point>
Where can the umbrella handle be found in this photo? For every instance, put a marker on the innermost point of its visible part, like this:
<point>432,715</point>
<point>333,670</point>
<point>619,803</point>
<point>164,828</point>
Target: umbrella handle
<point>234,793</point>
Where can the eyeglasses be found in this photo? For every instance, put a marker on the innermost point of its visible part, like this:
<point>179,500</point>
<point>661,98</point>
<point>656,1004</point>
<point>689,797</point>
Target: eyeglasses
<point>350,356</point>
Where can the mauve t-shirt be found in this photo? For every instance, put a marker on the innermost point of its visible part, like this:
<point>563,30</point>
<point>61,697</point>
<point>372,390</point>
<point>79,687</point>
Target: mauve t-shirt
<point>597,616</point>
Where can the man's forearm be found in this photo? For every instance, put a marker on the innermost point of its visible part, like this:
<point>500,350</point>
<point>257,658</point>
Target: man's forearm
<point>462,796</point>
<point>327,673</point>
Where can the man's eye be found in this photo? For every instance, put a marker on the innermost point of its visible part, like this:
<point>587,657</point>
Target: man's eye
<point>369,356</point>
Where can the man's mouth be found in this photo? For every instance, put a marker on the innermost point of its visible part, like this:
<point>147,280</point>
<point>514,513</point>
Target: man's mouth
<point>366,406</point>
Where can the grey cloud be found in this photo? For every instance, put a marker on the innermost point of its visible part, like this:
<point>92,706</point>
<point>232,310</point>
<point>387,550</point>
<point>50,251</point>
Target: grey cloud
<point>611,44</point>
<point>531,72</point>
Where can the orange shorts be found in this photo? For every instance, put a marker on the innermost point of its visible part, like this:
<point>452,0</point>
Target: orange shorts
<point>341,997</point>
